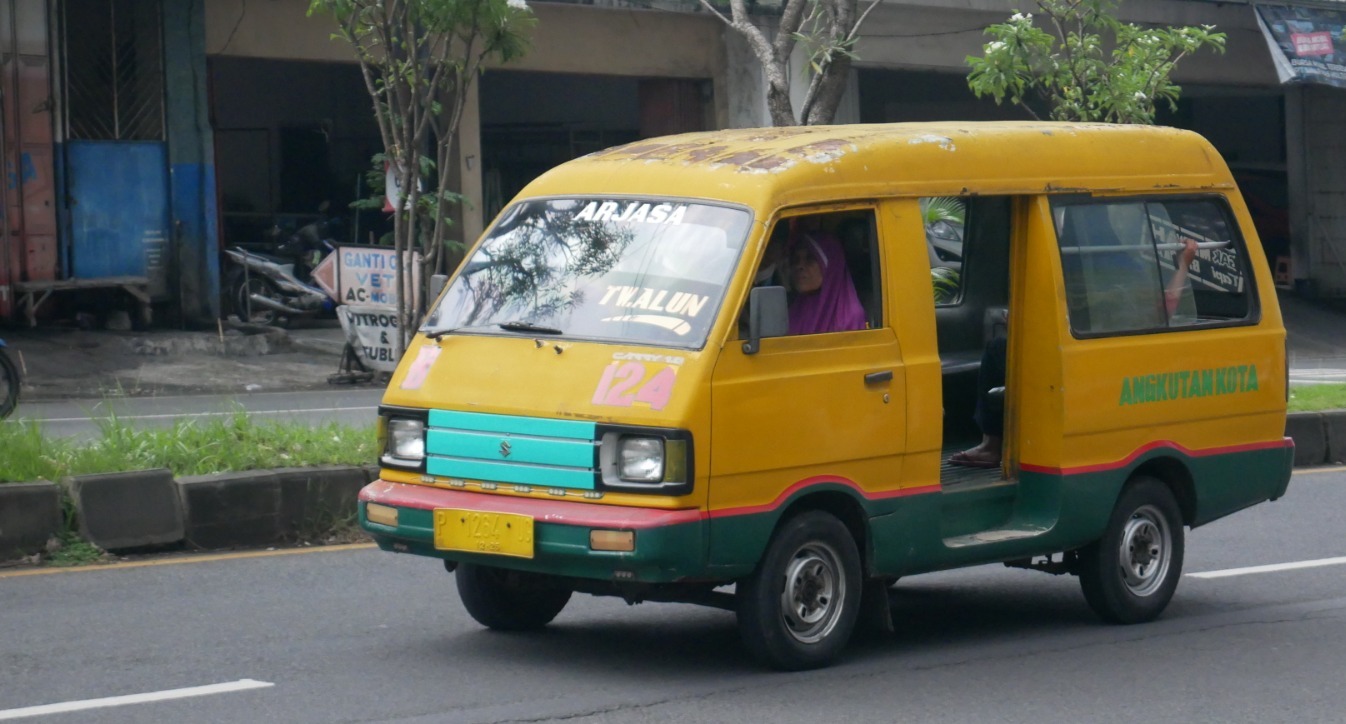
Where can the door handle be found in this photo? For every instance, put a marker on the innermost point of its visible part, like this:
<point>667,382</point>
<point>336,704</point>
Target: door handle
<point>873,378</point>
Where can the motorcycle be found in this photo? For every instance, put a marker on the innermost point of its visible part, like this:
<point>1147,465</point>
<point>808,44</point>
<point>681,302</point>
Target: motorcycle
<point>264,290</point>
<point>9,383</point>
<point>275,288</point>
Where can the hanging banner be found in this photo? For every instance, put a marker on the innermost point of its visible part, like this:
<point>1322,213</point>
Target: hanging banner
<point>371,330</point>
<point>1308,45</point>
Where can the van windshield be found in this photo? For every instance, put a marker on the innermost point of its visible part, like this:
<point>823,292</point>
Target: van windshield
<point>647,271</point>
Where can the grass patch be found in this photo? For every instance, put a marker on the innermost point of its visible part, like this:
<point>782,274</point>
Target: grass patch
<point>74,552</point>
<point>1311,398</point>
<point>192,447</point>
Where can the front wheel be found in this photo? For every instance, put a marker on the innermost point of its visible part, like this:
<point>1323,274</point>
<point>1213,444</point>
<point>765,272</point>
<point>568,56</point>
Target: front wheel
<point>1130,574</point>
<point>507,600</point>
<point>9,385</point>
<point>797,611</point>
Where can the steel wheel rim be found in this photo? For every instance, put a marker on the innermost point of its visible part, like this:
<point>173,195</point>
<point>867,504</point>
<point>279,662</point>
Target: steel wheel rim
<point>1146,551</point>
<point>814,592</point>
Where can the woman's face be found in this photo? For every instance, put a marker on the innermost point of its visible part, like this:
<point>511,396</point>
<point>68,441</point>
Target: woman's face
<point>806,272</point>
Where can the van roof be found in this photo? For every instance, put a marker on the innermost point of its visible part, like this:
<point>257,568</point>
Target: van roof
<point>768,167</point>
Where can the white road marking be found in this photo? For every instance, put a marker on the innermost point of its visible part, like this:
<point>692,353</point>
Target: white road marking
<point>230,413</point>
<point>69,706</point>
<point>1270,568</point>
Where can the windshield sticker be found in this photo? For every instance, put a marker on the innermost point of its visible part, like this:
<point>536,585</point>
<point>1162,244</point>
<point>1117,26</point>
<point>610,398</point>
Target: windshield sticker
<point>646,357</point>
<point>633,212</point>
<point>623,384</point>
<point>420,368</point>
<point>1187,384</point>
<point>673,324</point>
<point>655,300</point>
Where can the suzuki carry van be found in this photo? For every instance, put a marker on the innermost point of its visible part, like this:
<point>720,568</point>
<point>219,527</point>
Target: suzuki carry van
<point>776,370</point>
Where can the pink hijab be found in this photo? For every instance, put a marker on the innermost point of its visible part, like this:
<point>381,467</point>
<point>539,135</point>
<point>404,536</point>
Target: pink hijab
<point>835,307</point>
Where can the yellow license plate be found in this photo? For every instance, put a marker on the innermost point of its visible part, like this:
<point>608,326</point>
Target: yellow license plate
<point>474,531</point>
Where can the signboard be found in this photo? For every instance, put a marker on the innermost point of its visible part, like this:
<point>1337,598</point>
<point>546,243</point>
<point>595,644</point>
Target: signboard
<point>356,274</point>
<point>371,330</point>
<point>1308,45</point>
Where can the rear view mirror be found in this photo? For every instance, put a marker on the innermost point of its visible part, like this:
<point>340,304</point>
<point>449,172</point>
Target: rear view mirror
<point>437,282</point>
<point>768,316</point>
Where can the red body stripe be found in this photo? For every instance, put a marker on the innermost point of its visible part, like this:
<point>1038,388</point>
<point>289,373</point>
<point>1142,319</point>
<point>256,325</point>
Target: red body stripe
<point>1169,444</point>
<point>819,480</point>
<point>589,515</point>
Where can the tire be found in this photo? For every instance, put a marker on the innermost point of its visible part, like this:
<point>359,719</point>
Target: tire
<point>9,385</point>
<point>243,304</point>
<point>507,600</point>
<point>798,609</point>
<point>1129,575</point>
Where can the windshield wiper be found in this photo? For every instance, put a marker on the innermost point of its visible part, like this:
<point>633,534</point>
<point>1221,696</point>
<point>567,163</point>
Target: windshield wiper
<point>528,327</point>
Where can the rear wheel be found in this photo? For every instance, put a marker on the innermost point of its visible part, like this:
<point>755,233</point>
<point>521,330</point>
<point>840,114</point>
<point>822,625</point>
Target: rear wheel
<point>251,312</point>
<point>9,385</point>
<point>507,600</point>
<point>797,611</point>
<point>1130,574</point>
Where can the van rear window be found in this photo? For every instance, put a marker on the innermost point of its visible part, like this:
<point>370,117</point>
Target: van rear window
<point>1124,269</point>
<point>643,271</point>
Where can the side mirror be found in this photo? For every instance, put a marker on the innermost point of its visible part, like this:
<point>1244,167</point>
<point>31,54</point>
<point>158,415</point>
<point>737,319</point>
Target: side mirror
<point>768,316</point>
<point>437,282</point>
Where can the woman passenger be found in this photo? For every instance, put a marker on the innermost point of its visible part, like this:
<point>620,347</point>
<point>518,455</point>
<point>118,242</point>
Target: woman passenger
<point>824,298</point>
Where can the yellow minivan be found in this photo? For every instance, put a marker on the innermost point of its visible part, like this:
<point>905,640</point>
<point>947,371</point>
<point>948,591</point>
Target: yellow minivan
<point>774,370</point>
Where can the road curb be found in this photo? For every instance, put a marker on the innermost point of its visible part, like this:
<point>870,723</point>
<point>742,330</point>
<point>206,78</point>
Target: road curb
<point>264,507</point>
<point>30,515</point>
<point>127,510</point>
<point>1309,430</point>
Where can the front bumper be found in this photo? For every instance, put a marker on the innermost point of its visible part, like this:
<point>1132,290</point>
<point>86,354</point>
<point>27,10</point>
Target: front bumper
<point>670,545</point>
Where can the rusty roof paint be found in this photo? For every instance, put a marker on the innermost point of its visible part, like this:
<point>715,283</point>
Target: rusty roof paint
<point>791,163</point>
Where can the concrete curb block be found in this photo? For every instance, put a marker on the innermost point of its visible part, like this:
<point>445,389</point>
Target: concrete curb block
<point>1334,422</point>
<point>30,514</point>
<point>231,509</point>
<point>312,497</point>
<point>127,510</point>
<point>1309,431</point>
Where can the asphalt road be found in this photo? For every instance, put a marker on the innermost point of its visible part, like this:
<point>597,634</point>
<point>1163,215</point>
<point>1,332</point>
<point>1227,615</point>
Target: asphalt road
<point>355,634</point>
<point>81,418</point>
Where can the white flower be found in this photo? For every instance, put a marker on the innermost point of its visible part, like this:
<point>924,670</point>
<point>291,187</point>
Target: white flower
<point>995,47</point>
<point>517,4</point>
<point>1140,96</point>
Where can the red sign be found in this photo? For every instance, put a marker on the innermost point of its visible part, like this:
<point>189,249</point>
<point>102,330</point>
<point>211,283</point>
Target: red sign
<point>1319,43</point>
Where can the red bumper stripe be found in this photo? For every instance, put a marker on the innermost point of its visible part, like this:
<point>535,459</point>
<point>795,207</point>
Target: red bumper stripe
<point>559,512</point>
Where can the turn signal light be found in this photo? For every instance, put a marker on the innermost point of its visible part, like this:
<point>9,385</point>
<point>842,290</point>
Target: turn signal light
<point>381,514</point>
<point>621,541</point>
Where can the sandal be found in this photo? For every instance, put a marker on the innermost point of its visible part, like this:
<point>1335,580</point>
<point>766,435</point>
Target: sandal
<point>967,461</point>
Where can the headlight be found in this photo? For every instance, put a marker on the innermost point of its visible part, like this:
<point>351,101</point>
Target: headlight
<point>649,460</point>
<point>406,442</point>
<point>641,459</point>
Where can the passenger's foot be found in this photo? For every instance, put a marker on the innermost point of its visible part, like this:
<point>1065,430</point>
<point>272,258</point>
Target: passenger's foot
<point>977,457</point>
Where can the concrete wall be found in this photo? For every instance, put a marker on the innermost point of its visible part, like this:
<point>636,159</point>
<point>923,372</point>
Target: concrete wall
<point>940,34</point>
<point>614,42</point>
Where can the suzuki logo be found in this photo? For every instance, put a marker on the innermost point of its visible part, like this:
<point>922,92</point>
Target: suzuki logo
<point>504,448</point>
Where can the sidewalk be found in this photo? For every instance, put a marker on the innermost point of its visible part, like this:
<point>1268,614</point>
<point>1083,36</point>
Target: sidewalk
<point>65,363</point>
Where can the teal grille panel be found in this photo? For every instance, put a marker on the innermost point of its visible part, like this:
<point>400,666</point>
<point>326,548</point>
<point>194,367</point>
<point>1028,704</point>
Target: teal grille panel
<point>541,452</point>
<point>535,426</point>
<point>490,447</point>
<point>542,476</point>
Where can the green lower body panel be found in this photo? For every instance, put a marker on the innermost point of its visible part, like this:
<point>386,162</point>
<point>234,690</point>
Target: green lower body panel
<point>669,545</point>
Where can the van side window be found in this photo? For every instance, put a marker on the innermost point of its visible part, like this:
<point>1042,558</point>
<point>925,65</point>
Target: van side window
<point>944,218</point>
<point>1124,270</point>
<point>831,270</point>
